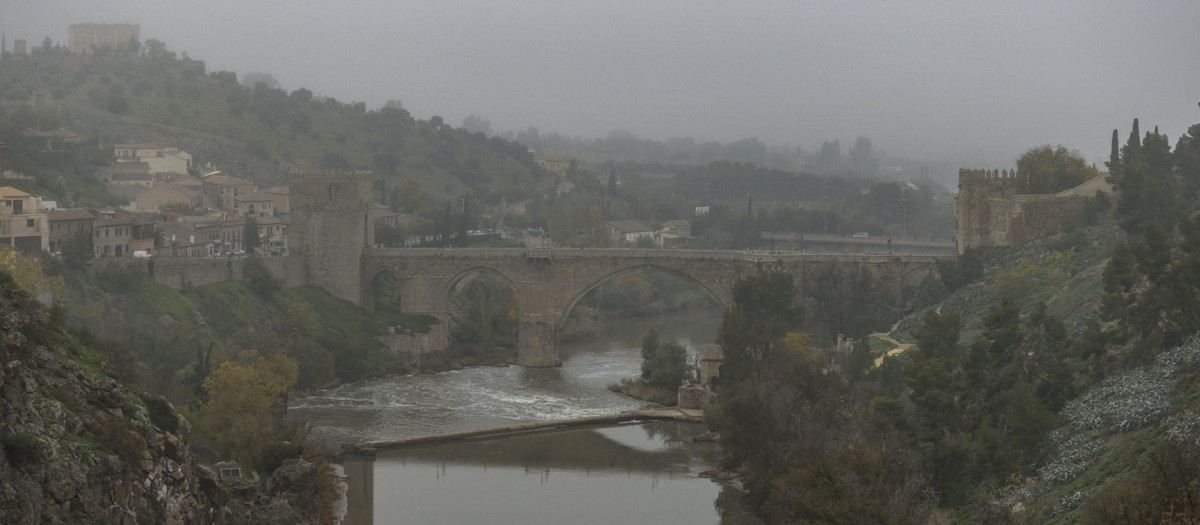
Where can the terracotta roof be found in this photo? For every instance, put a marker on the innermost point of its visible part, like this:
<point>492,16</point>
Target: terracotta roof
<point>70,214</point>
<point>226,181</point>
<point>137,146</point>
<point>258,196</point>
<point>130,168</point>
<point>9,191</point>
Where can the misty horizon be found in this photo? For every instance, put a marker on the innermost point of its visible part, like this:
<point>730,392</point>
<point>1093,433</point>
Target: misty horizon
<point>971,85</point>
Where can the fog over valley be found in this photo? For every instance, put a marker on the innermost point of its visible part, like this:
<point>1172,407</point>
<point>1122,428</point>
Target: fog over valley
<point>971,85</point>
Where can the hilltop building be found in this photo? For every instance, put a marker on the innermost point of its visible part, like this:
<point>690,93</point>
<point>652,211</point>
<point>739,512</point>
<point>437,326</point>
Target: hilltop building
<point>157,158</point>
<point>87,38</point>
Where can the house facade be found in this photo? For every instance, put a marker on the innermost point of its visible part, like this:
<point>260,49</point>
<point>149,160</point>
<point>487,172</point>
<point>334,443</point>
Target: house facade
<point>225,191</point>
<point>67,223</point>
<point>23,224</point>
<point>161,195</point>
<point>628,231</point>
<point>157,158</point>
<point>86,38</point>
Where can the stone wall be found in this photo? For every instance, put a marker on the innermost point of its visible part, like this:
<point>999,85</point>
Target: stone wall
<point>981,207</point>
<point>329,228</point>
<point>696,396</point>
<point>989,212</point>
<point>182,272</point>
<point>416,344</point>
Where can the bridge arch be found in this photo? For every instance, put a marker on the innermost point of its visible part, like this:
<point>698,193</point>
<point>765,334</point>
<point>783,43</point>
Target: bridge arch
<point>462,275</point>
<point>384,280</point>
<point>719,298</point>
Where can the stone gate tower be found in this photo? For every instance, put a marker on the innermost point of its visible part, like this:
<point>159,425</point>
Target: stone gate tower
<point>982,207</point>
<point>329,228</point>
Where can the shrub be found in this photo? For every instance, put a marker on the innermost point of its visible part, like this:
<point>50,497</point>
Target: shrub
<point>259,278</point>
<point>161,414</point>
<point>22,448</point>
<point>272,455</point>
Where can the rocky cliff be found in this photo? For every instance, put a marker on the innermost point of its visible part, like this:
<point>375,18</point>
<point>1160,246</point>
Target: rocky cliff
<point>79,446</point>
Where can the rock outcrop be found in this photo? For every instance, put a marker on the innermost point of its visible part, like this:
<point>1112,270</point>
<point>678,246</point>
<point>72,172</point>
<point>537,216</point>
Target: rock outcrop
<point>81,447</point>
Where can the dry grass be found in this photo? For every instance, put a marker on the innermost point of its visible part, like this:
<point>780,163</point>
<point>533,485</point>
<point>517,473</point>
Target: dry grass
<point>638,389</point>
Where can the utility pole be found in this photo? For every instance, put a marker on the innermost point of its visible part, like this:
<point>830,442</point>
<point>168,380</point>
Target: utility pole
<point>825,213</point>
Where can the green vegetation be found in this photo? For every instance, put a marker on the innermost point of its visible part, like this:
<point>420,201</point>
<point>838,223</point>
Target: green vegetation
<point>484,319</point>
<point>1048,169</point>
<point>991,391</point>
<point>22,448</point>
<point>665,363</point>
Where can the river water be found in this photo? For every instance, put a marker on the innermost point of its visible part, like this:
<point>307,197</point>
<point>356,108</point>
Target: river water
<point>624,474</point>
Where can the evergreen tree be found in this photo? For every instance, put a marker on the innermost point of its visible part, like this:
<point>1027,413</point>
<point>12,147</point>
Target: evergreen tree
<point>612,181</point>
<point>938,335</point>
<point>250,234</point>
<point>1114,156</point>
<point>750,330</point>
<point>1187,161</point>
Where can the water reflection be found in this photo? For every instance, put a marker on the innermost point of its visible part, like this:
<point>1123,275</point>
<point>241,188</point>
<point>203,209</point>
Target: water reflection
<point>627,474</point>
<point>484,397</point>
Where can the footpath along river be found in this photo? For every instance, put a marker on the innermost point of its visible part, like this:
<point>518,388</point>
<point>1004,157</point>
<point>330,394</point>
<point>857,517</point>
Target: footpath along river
<point>643,473</point>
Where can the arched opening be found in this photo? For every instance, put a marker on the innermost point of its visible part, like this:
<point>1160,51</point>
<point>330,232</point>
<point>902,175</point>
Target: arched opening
<point>636,292</point>
<point>385,296</point>
<point>604,329</point>
<point>482,316</point>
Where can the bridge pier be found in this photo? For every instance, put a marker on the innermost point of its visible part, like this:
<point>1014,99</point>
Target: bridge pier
<point>537,344</point>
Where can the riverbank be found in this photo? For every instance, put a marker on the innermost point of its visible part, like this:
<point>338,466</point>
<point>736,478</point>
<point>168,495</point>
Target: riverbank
<point>640,390</point>
<point>649,414</point>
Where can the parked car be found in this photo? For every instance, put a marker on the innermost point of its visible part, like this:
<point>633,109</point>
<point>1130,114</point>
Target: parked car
<point>862,235</point>
<point>141,254</point>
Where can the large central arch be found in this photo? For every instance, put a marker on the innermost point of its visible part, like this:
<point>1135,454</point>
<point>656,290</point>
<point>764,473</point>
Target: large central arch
<point>549,284</point>
<point>718,298</point>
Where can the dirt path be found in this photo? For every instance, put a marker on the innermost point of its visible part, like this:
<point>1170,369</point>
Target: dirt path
<point>900,347</point>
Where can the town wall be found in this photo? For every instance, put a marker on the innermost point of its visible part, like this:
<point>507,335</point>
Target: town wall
<point>329,228</point>
<point>989,211</point>
<point>416,344</point>
<point>185,272</point>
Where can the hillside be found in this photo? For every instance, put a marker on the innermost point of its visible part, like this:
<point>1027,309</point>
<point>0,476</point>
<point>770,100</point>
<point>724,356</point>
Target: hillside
<point>174,332</point>
<point>260,133</point>
<point>80,446</point>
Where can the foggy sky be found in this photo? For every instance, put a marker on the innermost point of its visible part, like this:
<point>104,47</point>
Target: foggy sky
<point>949,80</point>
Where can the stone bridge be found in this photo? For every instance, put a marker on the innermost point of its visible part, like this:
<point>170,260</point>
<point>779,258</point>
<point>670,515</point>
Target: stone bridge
<point>549,283</point>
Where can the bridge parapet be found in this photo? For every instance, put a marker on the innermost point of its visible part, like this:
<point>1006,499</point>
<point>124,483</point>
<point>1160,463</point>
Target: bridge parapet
<point>548,283</point>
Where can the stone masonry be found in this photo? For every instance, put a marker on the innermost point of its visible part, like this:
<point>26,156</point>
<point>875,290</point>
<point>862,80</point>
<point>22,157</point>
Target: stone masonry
<point>989,211</point>
<point>549,283</point>
<point>330,234</point>
<point>329,228</point>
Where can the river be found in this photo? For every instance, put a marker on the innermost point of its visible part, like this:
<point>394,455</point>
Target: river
<point>630,473</point>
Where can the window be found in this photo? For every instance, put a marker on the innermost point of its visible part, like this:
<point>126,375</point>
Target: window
<point>30,223</point>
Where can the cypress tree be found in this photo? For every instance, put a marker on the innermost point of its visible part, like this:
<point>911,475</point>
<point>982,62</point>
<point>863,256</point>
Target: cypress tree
<point>1114,156</point>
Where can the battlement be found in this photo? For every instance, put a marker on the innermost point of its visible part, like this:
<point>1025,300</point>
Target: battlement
<point>967,176</point>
